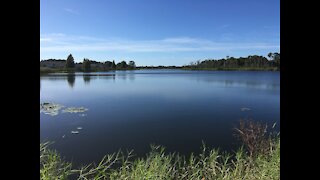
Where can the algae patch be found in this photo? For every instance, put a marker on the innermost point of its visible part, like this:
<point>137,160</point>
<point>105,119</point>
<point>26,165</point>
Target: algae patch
<point>245,109</point>
<point>75,109</point>
<point>51,109</point>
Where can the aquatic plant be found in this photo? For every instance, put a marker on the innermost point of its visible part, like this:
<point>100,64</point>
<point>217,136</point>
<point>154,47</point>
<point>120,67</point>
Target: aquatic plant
<point>53,109</point>
<point>75,109</point>
<point>50,108</point>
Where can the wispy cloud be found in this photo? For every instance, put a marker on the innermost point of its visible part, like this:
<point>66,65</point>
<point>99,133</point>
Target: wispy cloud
<point>72,11</point>
<point>62,43</point>
<point>45,39</point>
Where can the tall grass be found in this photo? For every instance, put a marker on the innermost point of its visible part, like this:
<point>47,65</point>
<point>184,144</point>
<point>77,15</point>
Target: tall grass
<point>52,165</point>
<point>209,164</point>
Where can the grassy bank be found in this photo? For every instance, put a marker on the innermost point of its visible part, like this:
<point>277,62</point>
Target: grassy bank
<point>46,70</point>
<point>210,164</point>
<point>259,158</point>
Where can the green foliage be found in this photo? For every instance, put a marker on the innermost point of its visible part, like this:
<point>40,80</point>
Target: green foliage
<point>132,65</point>
<point>122,65</point>
<point>70,62</point>
<point>230,63</point>
<point>86,65</point>
<point>52,167</point>
<point>113,65</point>
<point>209,164</point>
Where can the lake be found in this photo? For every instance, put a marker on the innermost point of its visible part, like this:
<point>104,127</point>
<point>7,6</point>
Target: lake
<point>133,109</point>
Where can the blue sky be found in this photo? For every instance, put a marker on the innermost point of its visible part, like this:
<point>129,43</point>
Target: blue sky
<point>158,32</point>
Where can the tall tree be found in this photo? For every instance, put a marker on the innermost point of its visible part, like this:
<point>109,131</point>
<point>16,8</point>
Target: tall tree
<point>113,65</point>
<point>70,62</point>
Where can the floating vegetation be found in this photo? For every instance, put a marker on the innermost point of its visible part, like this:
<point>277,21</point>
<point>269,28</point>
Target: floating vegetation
<point>53,109</point>
<point>50,108</point>
<point>74,132</point>
<point>245,109</point>
<point>75,109</point>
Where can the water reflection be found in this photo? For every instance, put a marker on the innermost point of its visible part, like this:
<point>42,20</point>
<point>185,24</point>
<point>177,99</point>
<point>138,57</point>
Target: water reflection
<point>160,107</point>
<point>234,82</point>
<point>228,83</point>
<point>71,78</point>
<point>131,76</point>
<point>86,79</point>
<point>124,75</point>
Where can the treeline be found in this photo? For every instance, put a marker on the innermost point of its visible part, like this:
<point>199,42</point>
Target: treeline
<point>86,65</point>
<point>253,62</point>
<point>245,63</point>
<point>159,67</point>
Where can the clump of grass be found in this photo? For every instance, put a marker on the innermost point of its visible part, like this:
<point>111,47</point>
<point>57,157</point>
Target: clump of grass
<point>52,166</point>
<point>209,164</point>
<point>256,137</point>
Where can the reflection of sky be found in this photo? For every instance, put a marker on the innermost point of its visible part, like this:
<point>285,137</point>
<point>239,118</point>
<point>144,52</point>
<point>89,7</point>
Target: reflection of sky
<point>158,88</point>
<point>156,106</point>
<point>169,86</point>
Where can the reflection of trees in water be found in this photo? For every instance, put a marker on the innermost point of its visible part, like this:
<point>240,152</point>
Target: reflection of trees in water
<point>106,77</point>
<point>71,78</point>
<point>54,78</point>
<point>89,77</point>
<point>228,82</point>
<point>122,76</point>
<point>86,79</point>
<point>127,75</point>
<point>131,76</point>
<point>273,86</point>
<point>246,83</point>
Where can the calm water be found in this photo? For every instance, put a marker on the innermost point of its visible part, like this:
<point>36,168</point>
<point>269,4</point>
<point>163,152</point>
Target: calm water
<point>174,108</point>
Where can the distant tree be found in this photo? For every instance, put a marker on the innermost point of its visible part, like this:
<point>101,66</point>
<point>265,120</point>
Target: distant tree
<point>113,65</point>
<point>276,58</point>
<point>122,65</point>
<point>132,65</point>
<point>270,55</point>
<point>253,61</point>
<point>108,64</point>
<point>86,65</point>
<point>70,62</point>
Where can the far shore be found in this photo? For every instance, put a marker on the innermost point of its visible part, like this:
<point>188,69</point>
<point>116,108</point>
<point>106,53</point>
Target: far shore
<point>52,71</point>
